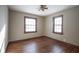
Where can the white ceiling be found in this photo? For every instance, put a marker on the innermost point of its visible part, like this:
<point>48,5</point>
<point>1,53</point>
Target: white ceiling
<point>34,9</point>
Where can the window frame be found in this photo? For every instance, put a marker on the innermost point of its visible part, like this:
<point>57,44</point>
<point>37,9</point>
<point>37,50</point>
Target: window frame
<point>25,25</point>
<point>61,33</point>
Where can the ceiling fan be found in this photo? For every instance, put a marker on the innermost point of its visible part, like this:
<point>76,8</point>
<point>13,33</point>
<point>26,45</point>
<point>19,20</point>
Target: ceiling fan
<point>43,7</point>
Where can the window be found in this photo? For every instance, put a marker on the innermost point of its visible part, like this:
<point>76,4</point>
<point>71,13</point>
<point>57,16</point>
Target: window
<point>30,24</point>
<point>58,24</point>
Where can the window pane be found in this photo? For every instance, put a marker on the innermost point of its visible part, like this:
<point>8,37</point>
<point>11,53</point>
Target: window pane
<point>57,28</point>
<point>30,21</point>
<point>58,20</point>
<point>30,25</point>
<point>30,28</point>
<point>58,24</point>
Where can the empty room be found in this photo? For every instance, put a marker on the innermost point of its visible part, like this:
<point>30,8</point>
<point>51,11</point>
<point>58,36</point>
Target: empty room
<point>39,29</point>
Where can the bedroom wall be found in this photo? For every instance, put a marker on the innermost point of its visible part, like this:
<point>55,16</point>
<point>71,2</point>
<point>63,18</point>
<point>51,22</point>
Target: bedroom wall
<point>45,25</point>
<point>3,27</point>
<point>70,26</point>
<point>16,24</point>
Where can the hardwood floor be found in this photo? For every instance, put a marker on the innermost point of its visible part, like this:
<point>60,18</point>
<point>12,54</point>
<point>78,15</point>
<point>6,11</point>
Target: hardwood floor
<point>41,45</point>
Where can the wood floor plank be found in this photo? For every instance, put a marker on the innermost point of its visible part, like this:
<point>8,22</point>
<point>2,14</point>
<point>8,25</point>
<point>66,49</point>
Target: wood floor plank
<point>41,45</point>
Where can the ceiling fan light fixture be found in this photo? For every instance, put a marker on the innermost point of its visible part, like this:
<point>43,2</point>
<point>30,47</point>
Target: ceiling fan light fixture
<point>43,7</point>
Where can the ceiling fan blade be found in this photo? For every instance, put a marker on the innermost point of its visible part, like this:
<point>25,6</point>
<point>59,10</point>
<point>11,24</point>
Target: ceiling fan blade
<point>46,8</point>
<point>43,7</point>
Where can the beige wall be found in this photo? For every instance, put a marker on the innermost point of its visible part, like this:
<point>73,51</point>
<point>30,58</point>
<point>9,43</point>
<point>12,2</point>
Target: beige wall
<point>70,26</point>
<point>3,28</point>
<point>45,25</point>
<point>17,26</point>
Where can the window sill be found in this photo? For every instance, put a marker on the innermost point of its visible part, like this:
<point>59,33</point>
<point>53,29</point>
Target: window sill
<point>30,32</point>
<point>58,33</point>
